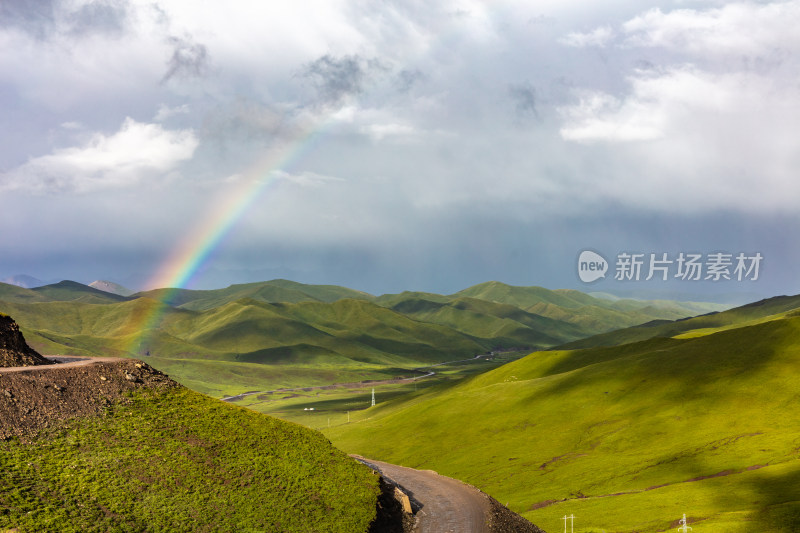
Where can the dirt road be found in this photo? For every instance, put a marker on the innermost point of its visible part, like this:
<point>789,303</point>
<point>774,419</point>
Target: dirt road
<point>62,361</point>
<point>445,505</point>
<point>358,384</point>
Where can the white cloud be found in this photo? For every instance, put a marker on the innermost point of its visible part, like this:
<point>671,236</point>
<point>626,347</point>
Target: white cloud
<point>135,153</point>
<point>72,125</point>
<point>709,125</point>
<point>164,112</point>
<point>377,132</point>
<point>306,179</point>
<point>656,106</point>
<point>698,148</point>
<point>736,28</point>
<point>598,37</point>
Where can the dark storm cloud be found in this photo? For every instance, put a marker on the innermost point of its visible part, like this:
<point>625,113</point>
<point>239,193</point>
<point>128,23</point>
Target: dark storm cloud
<point>335,78</point>
<point>106,17</point>
<point>35,18</point>
<point>523,97</point>
<point>406,79</point>
<point>189,59</point>
<point>41,19</point>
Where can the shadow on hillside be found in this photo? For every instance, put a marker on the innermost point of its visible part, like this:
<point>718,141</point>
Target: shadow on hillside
<point>771,501</point>
<point>780,502</point>
<point>680,368</point>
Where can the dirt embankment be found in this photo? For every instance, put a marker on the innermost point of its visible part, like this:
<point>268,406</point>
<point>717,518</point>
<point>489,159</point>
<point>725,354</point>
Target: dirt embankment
<point>32,398</point>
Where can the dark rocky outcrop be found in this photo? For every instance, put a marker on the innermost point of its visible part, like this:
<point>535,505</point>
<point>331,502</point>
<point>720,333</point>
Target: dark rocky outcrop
<point>14,351</point>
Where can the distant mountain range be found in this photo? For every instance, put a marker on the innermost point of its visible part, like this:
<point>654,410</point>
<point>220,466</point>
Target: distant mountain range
<point>286,323</point>
<point>30,282</point>
<point>24,281</point>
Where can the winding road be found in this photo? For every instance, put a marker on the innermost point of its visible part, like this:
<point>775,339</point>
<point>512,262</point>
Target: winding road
<point>445,505</point>
<point>358,384</point>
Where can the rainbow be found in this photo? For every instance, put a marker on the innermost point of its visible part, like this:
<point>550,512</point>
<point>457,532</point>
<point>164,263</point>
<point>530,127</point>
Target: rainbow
<point>186,260</point>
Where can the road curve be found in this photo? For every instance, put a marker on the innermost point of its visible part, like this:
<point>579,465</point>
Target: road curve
<point>446,504</point>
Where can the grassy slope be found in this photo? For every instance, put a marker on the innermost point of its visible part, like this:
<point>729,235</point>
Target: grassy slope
<point>618,433</point>
<point>746,314</point>
<point>278,290</point>
<point>12,293</point>
<point>178,461</point>
<point>503,325</point>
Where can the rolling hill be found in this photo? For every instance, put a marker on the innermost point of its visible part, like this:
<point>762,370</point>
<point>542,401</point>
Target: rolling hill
<point>628,437</point>
<point>281,333</point>
<point>769,309</point>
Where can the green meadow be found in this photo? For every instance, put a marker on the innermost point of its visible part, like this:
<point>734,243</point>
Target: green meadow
<point>627,438</point>
<point>282,334</point>
<point>179,461</point>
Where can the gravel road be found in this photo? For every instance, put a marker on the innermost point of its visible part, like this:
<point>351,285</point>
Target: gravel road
<point>445,505</point>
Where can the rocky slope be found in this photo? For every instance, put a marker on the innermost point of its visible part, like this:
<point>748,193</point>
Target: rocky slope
<point>33,398</point>
<point>14,351</point>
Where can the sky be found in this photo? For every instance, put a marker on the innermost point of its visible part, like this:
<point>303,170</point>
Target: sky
<point>390,146</point>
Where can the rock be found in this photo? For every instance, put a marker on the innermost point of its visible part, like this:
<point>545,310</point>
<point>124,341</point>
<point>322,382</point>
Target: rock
<point>8,393</point>
<point>131,377</point>
<point>14,351</point>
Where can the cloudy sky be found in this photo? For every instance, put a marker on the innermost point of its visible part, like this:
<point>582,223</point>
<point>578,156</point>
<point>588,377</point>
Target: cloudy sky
<point>404,145</point>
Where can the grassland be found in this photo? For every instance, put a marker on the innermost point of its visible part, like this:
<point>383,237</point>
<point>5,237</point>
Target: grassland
<point>627,438</point>
<point>276,334</point>
<point>324,407</point>
<point>179,461</point>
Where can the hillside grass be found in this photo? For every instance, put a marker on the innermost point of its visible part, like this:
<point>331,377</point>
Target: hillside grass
<point>179,461</point>
<point>756,312</point>
<point>627,438</point>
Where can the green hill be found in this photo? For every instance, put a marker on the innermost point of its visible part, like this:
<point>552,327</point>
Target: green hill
<point>502,325</point>
<point>626,438</point>
<point>708,323</point>
<point>13,293</point>
<point>219,341</point>
<point>274,291</point>
<point>70,291</point>
<point>178,461</point>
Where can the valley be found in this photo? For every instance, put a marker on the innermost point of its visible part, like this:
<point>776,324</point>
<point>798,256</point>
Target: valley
<point>624,414</point>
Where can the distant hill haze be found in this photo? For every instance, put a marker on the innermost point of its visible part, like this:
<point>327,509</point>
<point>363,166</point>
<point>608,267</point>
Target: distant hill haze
<point>14,351</point>
<point>24,281</point>
<point>110,286</point>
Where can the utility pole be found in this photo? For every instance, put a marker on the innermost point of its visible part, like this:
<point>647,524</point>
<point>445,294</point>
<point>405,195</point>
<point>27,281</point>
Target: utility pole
<point>684,527</point>
<point>571,519</point>
<point>373,397</point>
